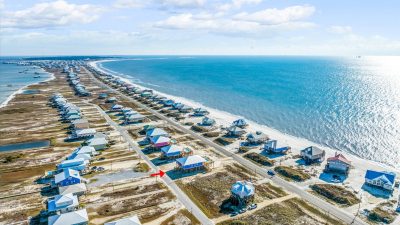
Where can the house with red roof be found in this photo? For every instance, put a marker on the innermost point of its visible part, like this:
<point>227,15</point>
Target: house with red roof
<point>338,163</point>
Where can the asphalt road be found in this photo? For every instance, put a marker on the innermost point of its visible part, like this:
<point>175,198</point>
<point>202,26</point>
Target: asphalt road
<point>317,202</point>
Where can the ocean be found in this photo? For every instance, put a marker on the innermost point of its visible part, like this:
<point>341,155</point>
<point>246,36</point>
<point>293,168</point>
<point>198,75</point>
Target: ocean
<point>11,80</point>
<point>349,104</point>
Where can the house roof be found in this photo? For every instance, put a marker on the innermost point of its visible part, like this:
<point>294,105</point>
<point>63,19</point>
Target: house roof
<point>65,174</point>
<point>243,189</point>
<point>312,150</point>
<point>75,188</point>
<point>116,106</point>
<point>62,201</point>
<point>80,121</point>
<point>156,132</point>
<point>97,141</point>
<point>89,131</point>
<point>257,135</point>
<point>85,150</point>
<point>239,122</point>
<point>172,149</point>
<point>81,156</point>
<point>75,217</point>
<point>159,139</point>
<point>190,160</point>
<point>339,157</point>
<point>385,177</point>
<point>134,220</point>
<point>208,120</point>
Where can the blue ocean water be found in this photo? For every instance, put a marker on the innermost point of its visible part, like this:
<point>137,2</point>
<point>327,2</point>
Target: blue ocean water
<point>11,80</point>
<point>350,104</point>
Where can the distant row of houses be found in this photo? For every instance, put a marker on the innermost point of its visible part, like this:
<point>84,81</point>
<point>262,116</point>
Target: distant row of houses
<point>74,81</point>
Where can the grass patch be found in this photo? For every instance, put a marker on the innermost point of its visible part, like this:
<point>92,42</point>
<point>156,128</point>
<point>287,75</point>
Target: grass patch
<point>224,141</point>
<point>142,167</point>
<point>292,173</point>
<point>259,159</point>
<point>336,193</point>
<point>183,216</point>
<point>383,213</point>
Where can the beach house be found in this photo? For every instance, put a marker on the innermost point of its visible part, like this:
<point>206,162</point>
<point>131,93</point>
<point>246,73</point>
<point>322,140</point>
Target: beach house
<point>185,109</point>
<point>84,152</point>
<point>67,177</point>
<point>62,203</point>
<point>133,220</point>
<point>338,163</point>
<point>174,151</point>
<point>270,148</point>
<point>156,132</point>
<point>235,131</point>
<point>242,193</point>
<point>240,123</point>
<point>159,141</point>
<point>75,189</point>
<point>206,121</point>
<point>192,162</point>
<point>84,133</point>
<point>80,124</point>
<point>177,105</point>
<point>116,108</point>
<point>313,154</point>
<point>385,180</point>
<point>111,100</point>
<point>79,217</point>
<point>257,138</point>
<point>200,112</point>
<point>135,118</point>
<point>78,164</point>
<point>98,143</point>
<point>167,102</point>
<point>103,95</point>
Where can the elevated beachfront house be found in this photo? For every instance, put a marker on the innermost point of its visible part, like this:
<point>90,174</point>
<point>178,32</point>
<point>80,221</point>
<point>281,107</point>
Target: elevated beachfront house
<point>111,100</point>
<point>147,128</point>
<point>136,118</point>
<point>116,108</point>
<point>75,164</point>
<point>271,147</point>
<point>62,203</point>
<point>84,133</point>
<point>192,162</point>
<point>75,189</point>
<point>313,154</point>
<point>156,132</point>
<point>129,113</point>
<point>185,109</point>
<point>79,217</point>
<point>73,117</point>
<point>85,150</point>
<point>338,163</point>
<point>174,151</point>
<point>98,143</point>
<point>80,124</point>
<point>146,93</point>
<point>242,193</point>
<point>159,141</point>
<point>168,102</point>
<point>67,177</point>
<point>133,220</point>
<point>200,112</point>
<point>384,180</point>
<point>257,138</point>
<point>240,123</point>
<point>103,95</point>
<point>177,105</point>
<point>126,109</point>
<point>235,131</point>
<point>85,157</point>
<point>207,121</point>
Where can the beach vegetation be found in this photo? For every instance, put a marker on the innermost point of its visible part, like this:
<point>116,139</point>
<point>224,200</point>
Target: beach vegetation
<point>142,167</point>
<point>383,213</point>
<point>292,173</point>
<point>337,194</point>
<point>259,159</point>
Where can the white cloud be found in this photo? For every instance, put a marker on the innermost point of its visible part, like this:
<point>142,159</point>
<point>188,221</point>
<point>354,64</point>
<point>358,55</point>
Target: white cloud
<point>340,29</point>
<point>237,4</point>
<point>2,4</point>
<point>129,4</point>
<point>159,3</point>
<point>50,14</point>
<point>274,16</point>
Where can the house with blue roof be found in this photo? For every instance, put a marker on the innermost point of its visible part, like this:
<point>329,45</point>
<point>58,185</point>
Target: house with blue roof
<point>67,177</point>
<point>385,180</point>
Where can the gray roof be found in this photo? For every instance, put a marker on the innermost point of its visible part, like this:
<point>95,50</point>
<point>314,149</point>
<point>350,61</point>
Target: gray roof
<point>71,218</point>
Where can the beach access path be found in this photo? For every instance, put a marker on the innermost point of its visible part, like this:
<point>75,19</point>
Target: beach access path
<point>181,196</point>
<point>291,187</point>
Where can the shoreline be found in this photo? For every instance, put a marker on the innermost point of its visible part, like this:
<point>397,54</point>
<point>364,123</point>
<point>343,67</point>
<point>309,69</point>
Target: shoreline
<point>225,118</point>
<point>20,90</point>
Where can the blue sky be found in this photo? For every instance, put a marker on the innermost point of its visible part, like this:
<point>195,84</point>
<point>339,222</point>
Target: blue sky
<point>249,27</point>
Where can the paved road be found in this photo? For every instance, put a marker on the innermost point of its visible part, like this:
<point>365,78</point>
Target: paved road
<point>317,202</point>
<point>183,198</point>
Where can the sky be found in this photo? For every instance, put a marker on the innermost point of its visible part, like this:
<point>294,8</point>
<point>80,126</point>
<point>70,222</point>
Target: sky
<point>199,27</point>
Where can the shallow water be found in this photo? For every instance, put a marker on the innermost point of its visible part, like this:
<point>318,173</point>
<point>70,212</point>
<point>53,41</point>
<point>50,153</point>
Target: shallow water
<point>350,104</point>
<point>24,146</point>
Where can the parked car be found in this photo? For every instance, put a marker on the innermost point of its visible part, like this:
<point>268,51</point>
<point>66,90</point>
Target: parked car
<point>252,206</point>
<point>242,211</point>
<point>271,172</point>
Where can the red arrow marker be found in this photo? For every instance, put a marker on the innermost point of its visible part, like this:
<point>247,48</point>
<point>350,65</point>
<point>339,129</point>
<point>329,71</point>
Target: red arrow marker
<point>160,173</point>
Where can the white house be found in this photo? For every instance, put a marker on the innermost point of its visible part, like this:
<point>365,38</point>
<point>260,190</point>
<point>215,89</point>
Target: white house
<point>133,220</point>
<point>62,203</point>
<point>79,217</point>
<point>385,180</point>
